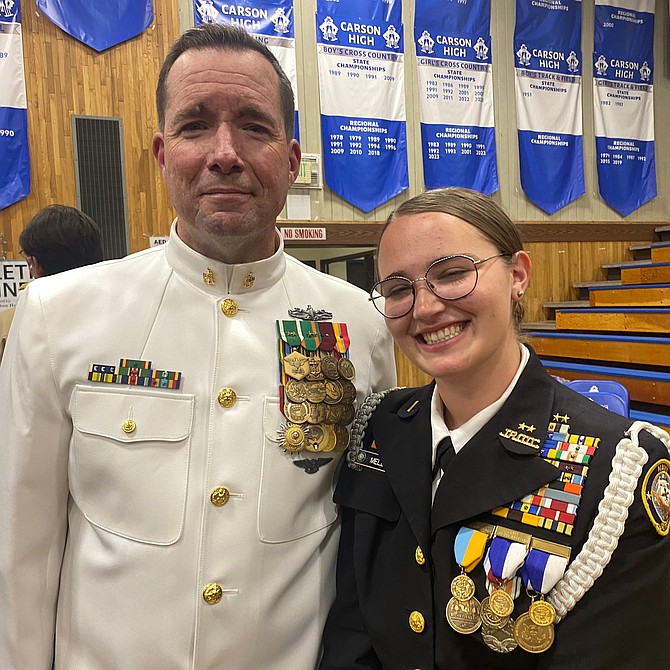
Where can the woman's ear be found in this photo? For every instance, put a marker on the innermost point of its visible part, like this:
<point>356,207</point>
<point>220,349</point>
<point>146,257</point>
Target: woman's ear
<point>521,271</point>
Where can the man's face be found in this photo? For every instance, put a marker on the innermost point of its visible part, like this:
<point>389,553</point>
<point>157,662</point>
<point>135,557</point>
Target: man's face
<point>224,153</point>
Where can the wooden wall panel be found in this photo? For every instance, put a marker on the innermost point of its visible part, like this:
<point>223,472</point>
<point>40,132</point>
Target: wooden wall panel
<point>65,77</point>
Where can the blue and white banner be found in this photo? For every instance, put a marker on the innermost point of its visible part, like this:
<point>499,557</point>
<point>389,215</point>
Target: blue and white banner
<point>453,49</point>
<point>99,25</point>
<point>363,128</point>
<point>548,83</point>
<point>623,97</point>
<point>384,10</point>
<point>14,156</point>
<point>272,22</point>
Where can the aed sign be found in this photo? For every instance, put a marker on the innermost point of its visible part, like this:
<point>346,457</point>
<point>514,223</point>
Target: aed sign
<point>302,234</point>
<point>13,274</point>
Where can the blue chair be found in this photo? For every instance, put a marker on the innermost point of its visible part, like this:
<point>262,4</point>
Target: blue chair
<point>609,394</point>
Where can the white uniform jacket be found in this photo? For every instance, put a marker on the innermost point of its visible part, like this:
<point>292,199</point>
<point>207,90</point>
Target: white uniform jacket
<point>108,538</point>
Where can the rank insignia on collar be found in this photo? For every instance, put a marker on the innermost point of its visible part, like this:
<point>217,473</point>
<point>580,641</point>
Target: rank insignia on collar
<point>519,442</point>
<point>656,496</point>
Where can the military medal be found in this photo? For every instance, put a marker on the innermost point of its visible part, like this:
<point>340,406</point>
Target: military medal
<point>502,561</point>
<point>464,615</point>
<point>499,638</point>
<point>316,393</point>
<point>296,391</point>
<point>531,637</point>
<point>490,618</point>
<point>463,609</point>
<point>542,612</point>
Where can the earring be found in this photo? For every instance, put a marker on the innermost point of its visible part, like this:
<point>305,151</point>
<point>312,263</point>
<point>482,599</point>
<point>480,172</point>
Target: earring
<point>519,294</point>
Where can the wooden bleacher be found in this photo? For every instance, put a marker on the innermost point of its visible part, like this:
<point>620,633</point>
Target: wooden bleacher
<point>617,329</point>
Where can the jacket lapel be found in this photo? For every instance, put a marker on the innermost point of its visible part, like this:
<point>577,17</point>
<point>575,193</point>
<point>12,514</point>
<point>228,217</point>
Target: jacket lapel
<point>500,463</point>
<point>403,438</point>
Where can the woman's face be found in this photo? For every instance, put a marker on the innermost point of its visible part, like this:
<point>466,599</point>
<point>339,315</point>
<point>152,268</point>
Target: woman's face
<point>452,339</point>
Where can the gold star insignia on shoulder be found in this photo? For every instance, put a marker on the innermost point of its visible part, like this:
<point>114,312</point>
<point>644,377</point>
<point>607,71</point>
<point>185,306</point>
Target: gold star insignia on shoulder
<point>525,426</point>
<point>561,418</point>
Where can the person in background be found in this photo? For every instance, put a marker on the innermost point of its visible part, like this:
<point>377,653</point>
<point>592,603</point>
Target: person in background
<point>493,518</point>
<point>172,421</point>
<point>56,239</point>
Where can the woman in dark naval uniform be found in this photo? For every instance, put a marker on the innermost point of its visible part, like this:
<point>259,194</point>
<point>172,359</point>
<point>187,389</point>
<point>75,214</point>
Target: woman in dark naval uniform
<point>494,518</point>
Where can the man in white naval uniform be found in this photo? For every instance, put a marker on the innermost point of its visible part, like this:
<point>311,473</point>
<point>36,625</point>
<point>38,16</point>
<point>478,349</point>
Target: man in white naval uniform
<point>165,526</point>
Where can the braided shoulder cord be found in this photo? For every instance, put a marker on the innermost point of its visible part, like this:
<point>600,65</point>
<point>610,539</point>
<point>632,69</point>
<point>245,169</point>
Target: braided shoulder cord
<point>610,520</point>
<point>368,406</point>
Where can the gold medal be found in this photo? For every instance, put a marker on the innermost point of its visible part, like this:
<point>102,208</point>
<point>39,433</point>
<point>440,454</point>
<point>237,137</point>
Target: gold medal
<point>316,413</point>
<point>533,638</point>
<point>334,391</point>
<point>542,613</point>
<point>296,391</point>
<point>296,365</point>
<point>333,413</point>
<point>348,391</point>
<point>329,367</point>
<point>464,615</point>
<point>490,618</point>
<point>314,373</point>
<point>296,412</point>
<point>342,435</point>
<point>501,639</point>
<point>347,414</point>
<point>346,368</point>
<point>329,438</point>
<point>316,391</point>
<point>294,438</point>
<point>314,438</point>
<point>462,587</point>
<point>501,602</point>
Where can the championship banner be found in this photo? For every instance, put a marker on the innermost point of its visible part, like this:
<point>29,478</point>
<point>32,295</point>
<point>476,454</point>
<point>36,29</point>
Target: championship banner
<point>271,22</point>
<point>623,97</point>
<point>453,49</point>
<point>14,157</point>
<point>361,77</point>
<point>99,25</point>
<point>548,84</point>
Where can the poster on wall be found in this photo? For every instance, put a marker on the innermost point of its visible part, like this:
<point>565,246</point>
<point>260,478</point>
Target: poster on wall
<point>453,49</point>
<point>14,156</point>
<point>99,25</point>
<point>548,85</point>
<point>272,22</point>
<point>13,275</point>
<point>623,98</point>
<point>361,79</point>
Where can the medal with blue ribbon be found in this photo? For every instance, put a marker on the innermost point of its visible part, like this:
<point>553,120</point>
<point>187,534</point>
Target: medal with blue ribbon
<point>463,609</point>
<point>502,561</point>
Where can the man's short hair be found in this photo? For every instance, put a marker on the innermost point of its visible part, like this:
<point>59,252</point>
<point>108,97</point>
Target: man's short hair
<point>226,38</point>
<point>62,238</point>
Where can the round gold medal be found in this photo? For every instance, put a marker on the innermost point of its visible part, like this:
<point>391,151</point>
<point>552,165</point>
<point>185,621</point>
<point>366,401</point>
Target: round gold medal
<point>329,438</point>
<point>464,615</point>
<point>348,391</point>
<point>316,391</point>
<point>296,412</point>
<point>346,368</point>
<point>342,435</point>
<point>542,613</point>
<point>333,391</point>
<point>296,391</point>
<point>329,367</point>
<point>490,618</point>
<point>316,413</point>
<point>501,602</point>
<point>532,638</point>
<point>347,414</point>
<point>462,587</point>
<point>314,438</point>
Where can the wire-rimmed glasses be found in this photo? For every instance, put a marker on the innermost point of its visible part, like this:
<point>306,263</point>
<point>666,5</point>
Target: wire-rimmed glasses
<point>449,278</point>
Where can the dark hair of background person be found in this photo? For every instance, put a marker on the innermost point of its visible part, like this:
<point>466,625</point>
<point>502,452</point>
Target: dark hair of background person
<point>62,238</point>
<point>226,38</point>
<point>474,208</point>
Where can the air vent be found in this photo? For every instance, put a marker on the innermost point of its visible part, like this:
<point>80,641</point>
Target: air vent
<point>310,172</point>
